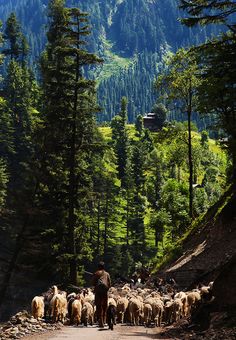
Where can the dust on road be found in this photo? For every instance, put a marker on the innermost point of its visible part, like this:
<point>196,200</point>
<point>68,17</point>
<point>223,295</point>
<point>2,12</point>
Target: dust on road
<point>120,332</point>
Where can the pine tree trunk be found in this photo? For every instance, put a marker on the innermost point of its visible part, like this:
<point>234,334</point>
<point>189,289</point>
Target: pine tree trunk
<point>127,219</point>
<point>106,226</point>
<point>72,177</point>
<point>71,217</point>
<point>98,228</point>
<point>156,237</point>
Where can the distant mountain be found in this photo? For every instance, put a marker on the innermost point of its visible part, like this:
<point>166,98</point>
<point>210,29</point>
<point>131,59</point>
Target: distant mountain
<point>131,36</point>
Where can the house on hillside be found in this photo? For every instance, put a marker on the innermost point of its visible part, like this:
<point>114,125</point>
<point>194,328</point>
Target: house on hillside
<point>149,121</point>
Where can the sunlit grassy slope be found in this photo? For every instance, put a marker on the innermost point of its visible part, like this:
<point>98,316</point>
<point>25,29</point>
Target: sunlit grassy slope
<point>112,64</point>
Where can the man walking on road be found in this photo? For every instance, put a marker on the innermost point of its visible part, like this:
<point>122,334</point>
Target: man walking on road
<point>102,282</point>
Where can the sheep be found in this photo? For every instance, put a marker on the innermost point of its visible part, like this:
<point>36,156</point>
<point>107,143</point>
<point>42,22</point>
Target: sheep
<point>165,298</point>
<point>183,297</point>
<point>147,314</point>
<point>114,296</point>
<point>193,298</point>
<point>122,305</point>
<point>168,312</point>
<point>76,312</point>
<point>54,290</point>
<point>125,289</point>
<point>112,291</point>
<point>155,295</point>
<point>210,285</point>
<point>176,310</point>
<point>157,312</point>
<point>71,296</point>
<point>37,307</point>
<point>135,308</point>
<point>157,308</point>
<point>90,297</point>
<point>112,301</point>
<point>87,314</point>
<point>47,300</point>
<point>58,308</point>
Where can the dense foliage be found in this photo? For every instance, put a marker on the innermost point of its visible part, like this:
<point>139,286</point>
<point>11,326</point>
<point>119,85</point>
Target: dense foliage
<point>72,193</point>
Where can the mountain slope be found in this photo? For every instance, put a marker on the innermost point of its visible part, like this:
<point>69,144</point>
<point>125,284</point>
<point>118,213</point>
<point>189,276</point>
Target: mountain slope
<point>208,247</point>
<point>131,36</point>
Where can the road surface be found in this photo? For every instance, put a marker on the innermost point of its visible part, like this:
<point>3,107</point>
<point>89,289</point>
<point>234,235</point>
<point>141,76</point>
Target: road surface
<point>120,332</point>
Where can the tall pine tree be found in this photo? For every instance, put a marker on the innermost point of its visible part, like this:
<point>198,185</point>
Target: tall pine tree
<point>69,128</point>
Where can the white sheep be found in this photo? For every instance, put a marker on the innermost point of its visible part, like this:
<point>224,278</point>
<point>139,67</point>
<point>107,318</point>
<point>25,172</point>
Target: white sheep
<point>87,314</point>
<point>58,308</point>
<point>147,314</point>
<point>122,305</point>
<point>135,310</point>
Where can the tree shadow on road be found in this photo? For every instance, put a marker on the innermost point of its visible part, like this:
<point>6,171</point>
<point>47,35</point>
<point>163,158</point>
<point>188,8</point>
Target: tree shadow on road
<point>162,336</point>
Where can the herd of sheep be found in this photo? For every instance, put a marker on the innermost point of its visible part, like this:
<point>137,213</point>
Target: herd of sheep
<point>136,306</point>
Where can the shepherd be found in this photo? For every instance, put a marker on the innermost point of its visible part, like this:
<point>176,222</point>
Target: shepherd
<point>102,282</point>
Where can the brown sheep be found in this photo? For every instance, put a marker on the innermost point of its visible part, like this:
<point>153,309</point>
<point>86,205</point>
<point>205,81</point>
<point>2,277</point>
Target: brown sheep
<point>76,312</point>
<point>193,299</point>
<point>37,307</point>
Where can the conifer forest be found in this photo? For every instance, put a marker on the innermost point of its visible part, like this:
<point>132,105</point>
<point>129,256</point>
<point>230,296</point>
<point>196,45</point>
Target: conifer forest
<point>117,133</point>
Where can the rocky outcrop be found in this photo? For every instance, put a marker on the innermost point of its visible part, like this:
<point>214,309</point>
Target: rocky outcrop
<point>23,324</point>
<point>209,247</point>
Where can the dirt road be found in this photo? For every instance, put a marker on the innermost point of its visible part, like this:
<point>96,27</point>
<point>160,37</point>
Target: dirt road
<point>121,332</point>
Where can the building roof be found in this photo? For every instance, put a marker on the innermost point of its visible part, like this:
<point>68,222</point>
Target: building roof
<point>150,115</point>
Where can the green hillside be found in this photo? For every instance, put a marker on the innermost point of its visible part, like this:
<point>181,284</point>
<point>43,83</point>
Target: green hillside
<point>132,46</point>
<point>167,161</point>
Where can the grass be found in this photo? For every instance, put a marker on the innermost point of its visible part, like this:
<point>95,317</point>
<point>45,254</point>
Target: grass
<point>107,133</point>
<point>113,63</point>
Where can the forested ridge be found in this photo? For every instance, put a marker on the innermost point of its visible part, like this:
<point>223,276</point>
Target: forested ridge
<point>132,46</point>
<point>73,192</point>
